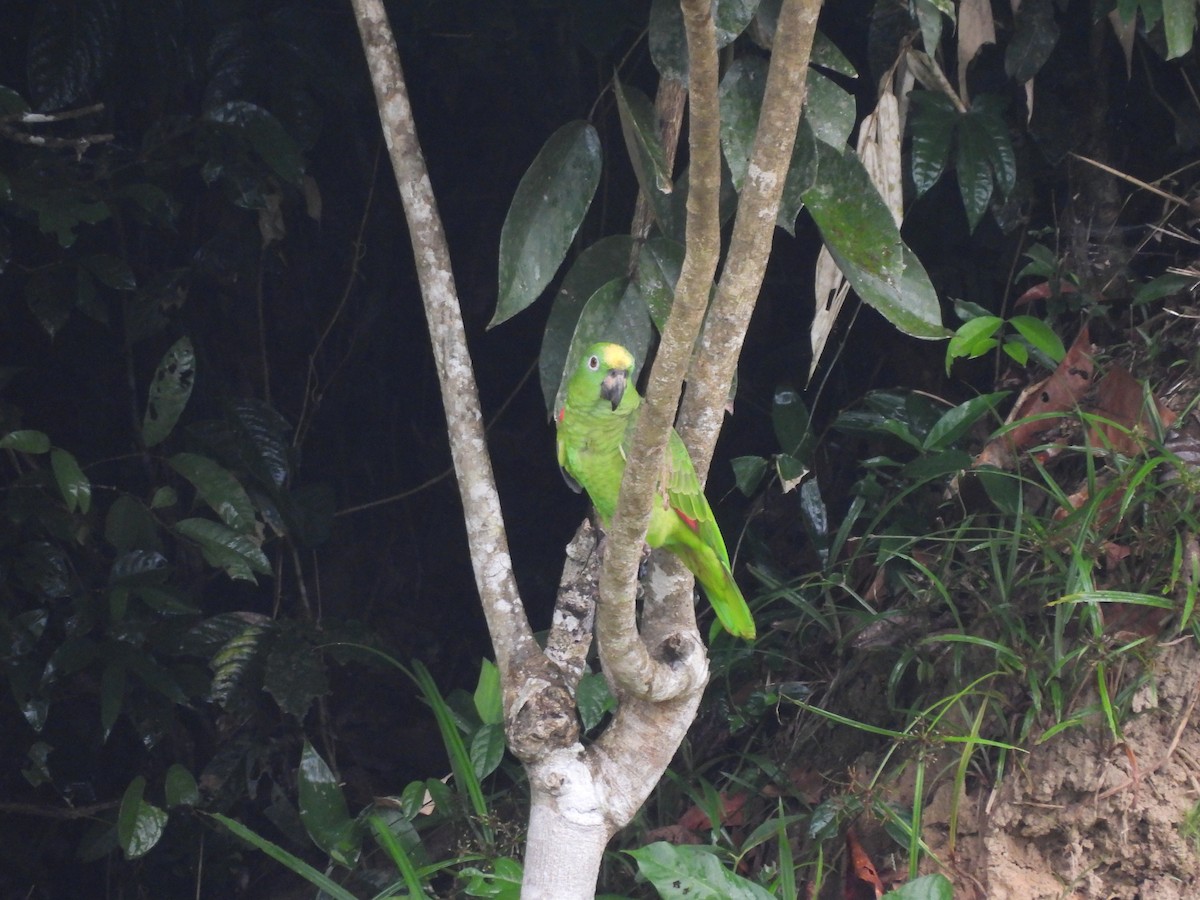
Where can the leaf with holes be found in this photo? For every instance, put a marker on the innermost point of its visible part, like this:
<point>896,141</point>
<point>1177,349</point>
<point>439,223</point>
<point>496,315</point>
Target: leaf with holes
<point>169,392</point>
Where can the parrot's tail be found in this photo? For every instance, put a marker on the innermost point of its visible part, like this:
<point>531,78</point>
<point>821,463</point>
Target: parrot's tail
<point>718,585</point>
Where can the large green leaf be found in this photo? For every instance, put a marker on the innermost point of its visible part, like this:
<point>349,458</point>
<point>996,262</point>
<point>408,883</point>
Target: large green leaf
<point>640,130</point>
<point>801,175</point>
<point>604,261</point>
<point>667,39</point>
<point>489,702</point>
<point>731,18</point>
<point>217,487</point>
<point>26,441</point>
<point>689,872</point>
<point>238,554</point>
<point>1035,34</point>
<point>169,392</point>
<point>829,108</point>
<point>987,114</point>
<point>487,749</point>
<point>262,440</point>
<point>927,887</point>
<point>74,486</point>
<point>546,212</point>
<point>864,241</point>
<point>659,263</point>
<point>323,810</point>
<point>264,133</point>
<point>180,787</point>
<point>139,824</point>
<point>932,124</point>
<point>741,96</point>
<point>1179,22</point>
<point>972,165</point>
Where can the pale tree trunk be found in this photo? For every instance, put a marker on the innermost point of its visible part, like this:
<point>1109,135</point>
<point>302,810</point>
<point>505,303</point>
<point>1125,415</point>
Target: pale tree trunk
<point>581,795</point>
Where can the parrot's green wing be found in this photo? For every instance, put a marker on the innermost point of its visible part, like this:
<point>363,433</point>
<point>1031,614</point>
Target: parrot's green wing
<point>685,496</point>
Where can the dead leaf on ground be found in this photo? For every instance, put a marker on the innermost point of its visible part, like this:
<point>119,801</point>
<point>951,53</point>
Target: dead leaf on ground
<point>1040,406</point>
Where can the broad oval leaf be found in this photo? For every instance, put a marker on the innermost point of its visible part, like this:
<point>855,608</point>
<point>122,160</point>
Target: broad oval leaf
<point>741,96</point>
<point>988,114</point>
<point>487,749</point>
<point>265,135</point>
<point>323,810</point>
<point>973,167</point>
<point>668,40</point>
<point>927,887</point>
<point>604,261</point>
<point>932,125</point>
<point>139,824</point>
<point>217,487</point>
<point>864,241</point>
<point>956,422</point>
<point>731,18</point>
<point>169,392</point>
<point>553,197</point>
<point>690,872</point>
<point>180,787</point>
<point>830,109</point>
<point>748,472</point>
<point>130,526</point>
<point>261,440</point>
<point>238,554</point>
<point>1179,23</point>
<point>1035,34</point>
<point>1040,335</point>
<point>801,175</point>
<point>593,698</point>
<point>659,263</point>
<point>74,486</point>
<point>26,441</point>
<point>488,699</point>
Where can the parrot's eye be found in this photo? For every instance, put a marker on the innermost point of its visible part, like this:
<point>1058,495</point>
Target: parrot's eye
<point>593,363</point>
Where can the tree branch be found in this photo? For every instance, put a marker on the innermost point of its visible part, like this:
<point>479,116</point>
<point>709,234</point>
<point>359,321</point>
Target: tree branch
<point>624,654</point>
<point>711,374</point>
<point>516,650</point>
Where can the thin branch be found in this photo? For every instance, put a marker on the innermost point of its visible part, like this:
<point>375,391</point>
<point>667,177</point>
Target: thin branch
<point>711,375</point>
<point>508,626</point>
<point>624,654</point>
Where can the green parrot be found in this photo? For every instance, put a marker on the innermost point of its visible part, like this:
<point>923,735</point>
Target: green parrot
<point>595,427</point>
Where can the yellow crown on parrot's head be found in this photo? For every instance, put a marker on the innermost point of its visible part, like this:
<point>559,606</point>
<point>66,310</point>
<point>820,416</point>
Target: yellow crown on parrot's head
<point>614,356</point>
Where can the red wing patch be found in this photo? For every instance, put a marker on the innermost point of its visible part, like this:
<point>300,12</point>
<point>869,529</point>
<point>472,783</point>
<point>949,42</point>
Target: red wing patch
<point>562,414</point>
<point>691,523</point>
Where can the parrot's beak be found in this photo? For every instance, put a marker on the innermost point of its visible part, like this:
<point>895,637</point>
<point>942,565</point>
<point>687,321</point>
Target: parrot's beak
<point>612,388</point>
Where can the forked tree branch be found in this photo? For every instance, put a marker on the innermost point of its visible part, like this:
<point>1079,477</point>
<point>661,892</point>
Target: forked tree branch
<point>626,657</point>
<point>711,373</point>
